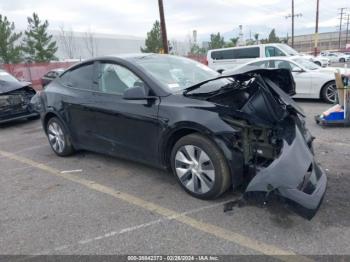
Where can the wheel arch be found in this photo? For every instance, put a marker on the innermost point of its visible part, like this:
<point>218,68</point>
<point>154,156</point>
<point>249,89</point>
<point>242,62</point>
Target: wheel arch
<point>50,114</point>
<point>234,159</point>
<point>174,136</point>
<point>323,86</point>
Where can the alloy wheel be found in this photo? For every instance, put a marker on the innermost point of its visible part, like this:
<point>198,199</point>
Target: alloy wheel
<point>56,137</point>
<point>194,169</point>
<point>331,93</point>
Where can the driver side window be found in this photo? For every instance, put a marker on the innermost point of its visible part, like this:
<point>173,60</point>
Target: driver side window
<point>115,79</point>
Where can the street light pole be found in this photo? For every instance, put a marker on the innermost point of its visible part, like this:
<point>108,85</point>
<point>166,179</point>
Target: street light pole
<point>163,27</point>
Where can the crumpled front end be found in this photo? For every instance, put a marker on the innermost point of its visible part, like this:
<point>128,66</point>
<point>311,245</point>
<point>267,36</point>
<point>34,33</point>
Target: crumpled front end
<point>271,135</point>
<point>293,175</point>
<point>15,104</point>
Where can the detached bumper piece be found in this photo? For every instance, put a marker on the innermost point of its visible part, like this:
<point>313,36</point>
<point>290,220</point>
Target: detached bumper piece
<point>294,176</point>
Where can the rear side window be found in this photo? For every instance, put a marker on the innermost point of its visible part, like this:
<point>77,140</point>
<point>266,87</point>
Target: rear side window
<point>80,77</point>
<point>241,53</point>
<point>271,51</point>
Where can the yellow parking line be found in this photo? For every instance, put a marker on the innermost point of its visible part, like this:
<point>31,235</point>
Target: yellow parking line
<point>170,214</point>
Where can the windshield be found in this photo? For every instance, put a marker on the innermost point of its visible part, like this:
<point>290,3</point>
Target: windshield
<point>7,77</point>
<point>306,63</point>
<point>288,50</point>
<point>176,73</point>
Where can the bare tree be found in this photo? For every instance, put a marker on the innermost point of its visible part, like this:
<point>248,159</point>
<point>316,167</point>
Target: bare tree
<point>68,42</point>
<point>90,43</point>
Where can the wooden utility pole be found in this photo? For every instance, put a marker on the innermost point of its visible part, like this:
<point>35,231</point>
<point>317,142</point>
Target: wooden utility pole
<point>163,27</point>
<point>292,23</point>
<point>347,29</point>
<point>293,16</point>
<point>316,27</point>
<point>340,25</point>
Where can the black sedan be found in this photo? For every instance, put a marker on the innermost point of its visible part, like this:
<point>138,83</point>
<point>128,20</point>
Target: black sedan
<point>213,131</point>
<point>51,75</point>
<point>15,97</point>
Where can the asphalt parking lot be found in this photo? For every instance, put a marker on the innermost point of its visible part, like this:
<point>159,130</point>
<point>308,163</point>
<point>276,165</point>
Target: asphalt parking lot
<point>95,204</point>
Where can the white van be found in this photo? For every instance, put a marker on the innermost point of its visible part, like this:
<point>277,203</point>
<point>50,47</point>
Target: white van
<point>228,58</point>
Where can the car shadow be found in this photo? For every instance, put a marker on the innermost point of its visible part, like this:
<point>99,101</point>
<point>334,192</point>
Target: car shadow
<point>17,123</point>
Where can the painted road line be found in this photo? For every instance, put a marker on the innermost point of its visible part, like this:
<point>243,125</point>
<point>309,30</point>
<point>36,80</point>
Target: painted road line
<point>128,229</point>
<point>219,232</point>
<point>71,171</point>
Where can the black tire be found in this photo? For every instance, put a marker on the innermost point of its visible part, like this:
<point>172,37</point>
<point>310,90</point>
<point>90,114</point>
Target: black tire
<point>326,89</point>
<point>216,159</point>
<point>318,63</point>
<point>342,60</point>
<point>67,148</point>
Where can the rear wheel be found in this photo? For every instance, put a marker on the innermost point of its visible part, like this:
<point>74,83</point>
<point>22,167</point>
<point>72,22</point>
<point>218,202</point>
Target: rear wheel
<point>200,167</point>
<point>342,60</point>
<point>59,138</point>
<point>329,92</point>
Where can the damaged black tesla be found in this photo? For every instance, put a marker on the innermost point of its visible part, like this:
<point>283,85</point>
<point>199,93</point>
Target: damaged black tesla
<point>15,97</point>
<point>213,131</point>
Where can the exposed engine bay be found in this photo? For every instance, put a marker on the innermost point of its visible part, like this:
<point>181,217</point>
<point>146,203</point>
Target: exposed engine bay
<point>272,137</point>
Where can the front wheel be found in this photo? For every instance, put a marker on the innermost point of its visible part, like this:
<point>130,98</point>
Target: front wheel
<point>200,167</point>
<point>59,138</point>
<point>342,60</point>
<point>329,93</point>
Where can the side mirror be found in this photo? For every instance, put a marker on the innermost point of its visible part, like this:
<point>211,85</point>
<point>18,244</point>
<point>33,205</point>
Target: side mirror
<point>137,92</point>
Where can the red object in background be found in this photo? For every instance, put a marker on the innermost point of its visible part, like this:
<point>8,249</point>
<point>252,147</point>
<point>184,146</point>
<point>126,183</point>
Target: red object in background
<point>33,72</point>
<point>199,58</point>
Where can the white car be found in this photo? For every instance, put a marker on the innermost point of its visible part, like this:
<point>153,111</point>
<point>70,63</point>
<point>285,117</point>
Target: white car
<point>336,57</point>
<point>318,60</point>
<point>312,81</point>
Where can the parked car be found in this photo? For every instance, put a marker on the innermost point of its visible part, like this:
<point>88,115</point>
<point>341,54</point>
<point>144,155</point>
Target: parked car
<point>318,60</point>
<point>51,75</point>
<point>173,112</point>
<point>336,57</point>
<point>228,58</point>
<point>312,81</point>
<point>15,99</point>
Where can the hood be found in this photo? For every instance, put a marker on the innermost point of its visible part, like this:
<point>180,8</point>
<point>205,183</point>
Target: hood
<point>260,96</point>
<point>282,77</point>
<point>8,86</point>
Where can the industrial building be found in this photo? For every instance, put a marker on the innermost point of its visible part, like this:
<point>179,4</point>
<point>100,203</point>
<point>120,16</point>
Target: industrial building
<point>326,41</point>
